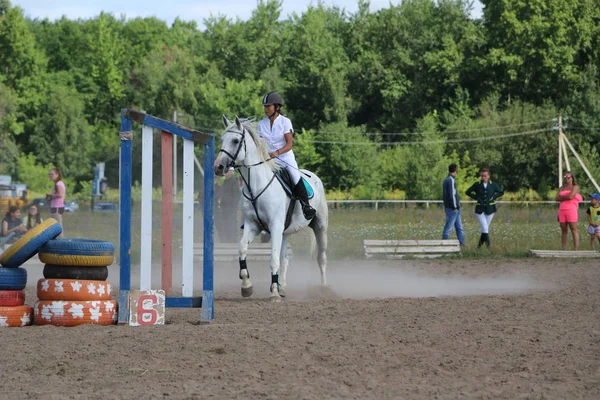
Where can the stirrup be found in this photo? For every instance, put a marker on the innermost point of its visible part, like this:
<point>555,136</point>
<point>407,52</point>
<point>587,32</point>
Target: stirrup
<point>308,211</point>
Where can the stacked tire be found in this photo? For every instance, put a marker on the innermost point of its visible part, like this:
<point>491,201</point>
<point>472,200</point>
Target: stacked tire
<point>74,290</point>
<point>13,279</point>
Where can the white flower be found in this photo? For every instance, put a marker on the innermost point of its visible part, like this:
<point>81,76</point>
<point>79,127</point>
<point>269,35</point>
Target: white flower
<point>45,285</point>
<point>91,288</point>
<point>3,321</point>
<point>58,286</point>
<point>95,313</point>
<point>76,286</point>
<point>47,312</point>
<point>25,320</point>
<point>101,289</point>
<point>58,307</point>
<point>76,310</point>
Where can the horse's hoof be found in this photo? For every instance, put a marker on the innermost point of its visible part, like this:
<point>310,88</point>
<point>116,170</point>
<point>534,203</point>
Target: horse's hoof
<point>275,299</point>
<point>247,292</point>
<point>282,292</point>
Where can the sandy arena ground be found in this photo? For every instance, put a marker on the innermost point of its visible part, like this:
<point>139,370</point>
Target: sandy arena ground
<point>501,329</point>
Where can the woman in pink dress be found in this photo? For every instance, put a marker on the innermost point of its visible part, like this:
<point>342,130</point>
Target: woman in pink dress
<point>57,197</point>
<point>568,211</point>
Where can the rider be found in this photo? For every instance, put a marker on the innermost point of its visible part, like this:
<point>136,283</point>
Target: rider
<point>278,132</point>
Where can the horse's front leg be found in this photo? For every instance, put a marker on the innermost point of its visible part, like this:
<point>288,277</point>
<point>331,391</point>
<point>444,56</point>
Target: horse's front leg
<point>276,239</point>
<point>284,262</point>
<point>250,232</point>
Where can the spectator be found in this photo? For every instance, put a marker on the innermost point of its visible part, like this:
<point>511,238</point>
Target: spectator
<point>57,197</point>
<point>485,193</point>
<point>12,225</point>
<point>569,198</point>
<point>452,205</point>
<point>33,218</point>
<point>593,216</point>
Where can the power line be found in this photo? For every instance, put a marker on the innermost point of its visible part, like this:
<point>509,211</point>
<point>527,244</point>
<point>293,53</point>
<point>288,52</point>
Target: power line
<point>478,139</point>
<point>492,128</point>
<point>583,129</point>
<point>435,132</point>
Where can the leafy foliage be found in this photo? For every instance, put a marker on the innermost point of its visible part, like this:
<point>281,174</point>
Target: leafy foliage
<point>385,100</point>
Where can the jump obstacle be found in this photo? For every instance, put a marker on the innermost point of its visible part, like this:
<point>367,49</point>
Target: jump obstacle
<point>398,249</point>
<point>169,130</point>
<point>229,252</point>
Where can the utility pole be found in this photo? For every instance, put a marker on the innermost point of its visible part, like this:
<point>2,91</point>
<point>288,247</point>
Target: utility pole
<point>174,159</point>
<point>562,149</point>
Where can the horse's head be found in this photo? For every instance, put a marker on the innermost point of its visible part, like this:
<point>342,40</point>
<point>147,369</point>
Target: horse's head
<point>233,147</point>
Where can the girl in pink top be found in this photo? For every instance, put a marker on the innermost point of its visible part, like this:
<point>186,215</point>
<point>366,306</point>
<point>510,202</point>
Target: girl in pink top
<point>569,198</point>
<point>57,197</point>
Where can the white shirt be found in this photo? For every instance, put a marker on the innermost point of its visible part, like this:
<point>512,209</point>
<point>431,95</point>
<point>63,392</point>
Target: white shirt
<point>274,134</point>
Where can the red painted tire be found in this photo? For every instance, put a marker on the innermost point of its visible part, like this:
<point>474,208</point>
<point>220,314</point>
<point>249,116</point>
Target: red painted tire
<point>73,313</point>
<point>15,316</point>
<point>73,289</point>
<point>12,298</point>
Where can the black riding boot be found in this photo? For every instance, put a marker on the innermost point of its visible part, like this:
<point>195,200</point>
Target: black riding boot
<point>487,240</point>
<point>307,210</point>
<point>481,240</point>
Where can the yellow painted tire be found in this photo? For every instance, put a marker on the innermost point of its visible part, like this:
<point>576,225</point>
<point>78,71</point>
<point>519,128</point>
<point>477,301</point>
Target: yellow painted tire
<point>30,243</point>
<point>84,261</point>
<point>78,252</point>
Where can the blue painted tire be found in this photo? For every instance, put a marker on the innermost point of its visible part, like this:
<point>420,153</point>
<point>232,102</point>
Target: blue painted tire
<point>13,278</point>
<point>28,245</point>
<point>78,252</point>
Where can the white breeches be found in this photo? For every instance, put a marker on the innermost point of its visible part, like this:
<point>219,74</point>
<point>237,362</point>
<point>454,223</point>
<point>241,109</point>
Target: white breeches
<point>484,221</point>
<point>288,161</point>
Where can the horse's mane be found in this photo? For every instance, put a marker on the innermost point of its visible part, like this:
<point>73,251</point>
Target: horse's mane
<point>261,144</point>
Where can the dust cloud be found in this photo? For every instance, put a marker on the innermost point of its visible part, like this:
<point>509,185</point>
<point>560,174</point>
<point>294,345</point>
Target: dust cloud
<point>371,280</point>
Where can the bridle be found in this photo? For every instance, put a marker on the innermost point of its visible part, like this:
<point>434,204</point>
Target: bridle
<point>250,197</point>
<point>237,151</point>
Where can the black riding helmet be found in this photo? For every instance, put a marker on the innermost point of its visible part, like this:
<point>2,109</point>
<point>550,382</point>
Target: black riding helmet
<point>272,98</point>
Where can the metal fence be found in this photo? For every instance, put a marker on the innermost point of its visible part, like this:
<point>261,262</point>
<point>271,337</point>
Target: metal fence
<point>375,204</point>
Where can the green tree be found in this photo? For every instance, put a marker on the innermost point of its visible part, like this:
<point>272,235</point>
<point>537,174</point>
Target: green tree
<point>19,57</point>
<point>59,133</point>
<point>106,55</point>
<point>9,128</point>
<point>349,158</point>
<point>537,48</point>
<point>426,164</point>
<point>318,71</point>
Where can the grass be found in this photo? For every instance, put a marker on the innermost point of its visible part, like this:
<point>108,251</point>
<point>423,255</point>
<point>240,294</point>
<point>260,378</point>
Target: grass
<point>514,231</point>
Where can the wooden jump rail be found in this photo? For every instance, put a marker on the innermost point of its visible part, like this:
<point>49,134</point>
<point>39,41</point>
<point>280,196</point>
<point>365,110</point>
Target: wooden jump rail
<point>397,249</point>
<point>564,254</point>
<point>229,251</point>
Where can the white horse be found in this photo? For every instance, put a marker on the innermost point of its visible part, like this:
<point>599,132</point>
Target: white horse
<point>265,204</point>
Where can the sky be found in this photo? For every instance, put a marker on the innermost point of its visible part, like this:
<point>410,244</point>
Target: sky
<point>187,10</point>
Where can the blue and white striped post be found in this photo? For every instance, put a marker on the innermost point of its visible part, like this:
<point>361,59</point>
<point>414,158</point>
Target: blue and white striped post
<point>125,158</point>
<point>208,313</point>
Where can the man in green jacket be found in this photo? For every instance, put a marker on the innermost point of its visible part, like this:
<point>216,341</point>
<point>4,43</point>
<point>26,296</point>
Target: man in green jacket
<point>485,193</point>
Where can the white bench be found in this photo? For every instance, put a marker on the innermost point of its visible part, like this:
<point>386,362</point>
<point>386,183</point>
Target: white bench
<point>564,254</point>
<point>229,251</point>
<point>397,249</point>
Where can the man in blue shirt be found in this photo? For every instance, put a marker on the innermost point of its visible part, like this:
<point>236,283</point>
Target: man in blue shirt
<point>452,205</point>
